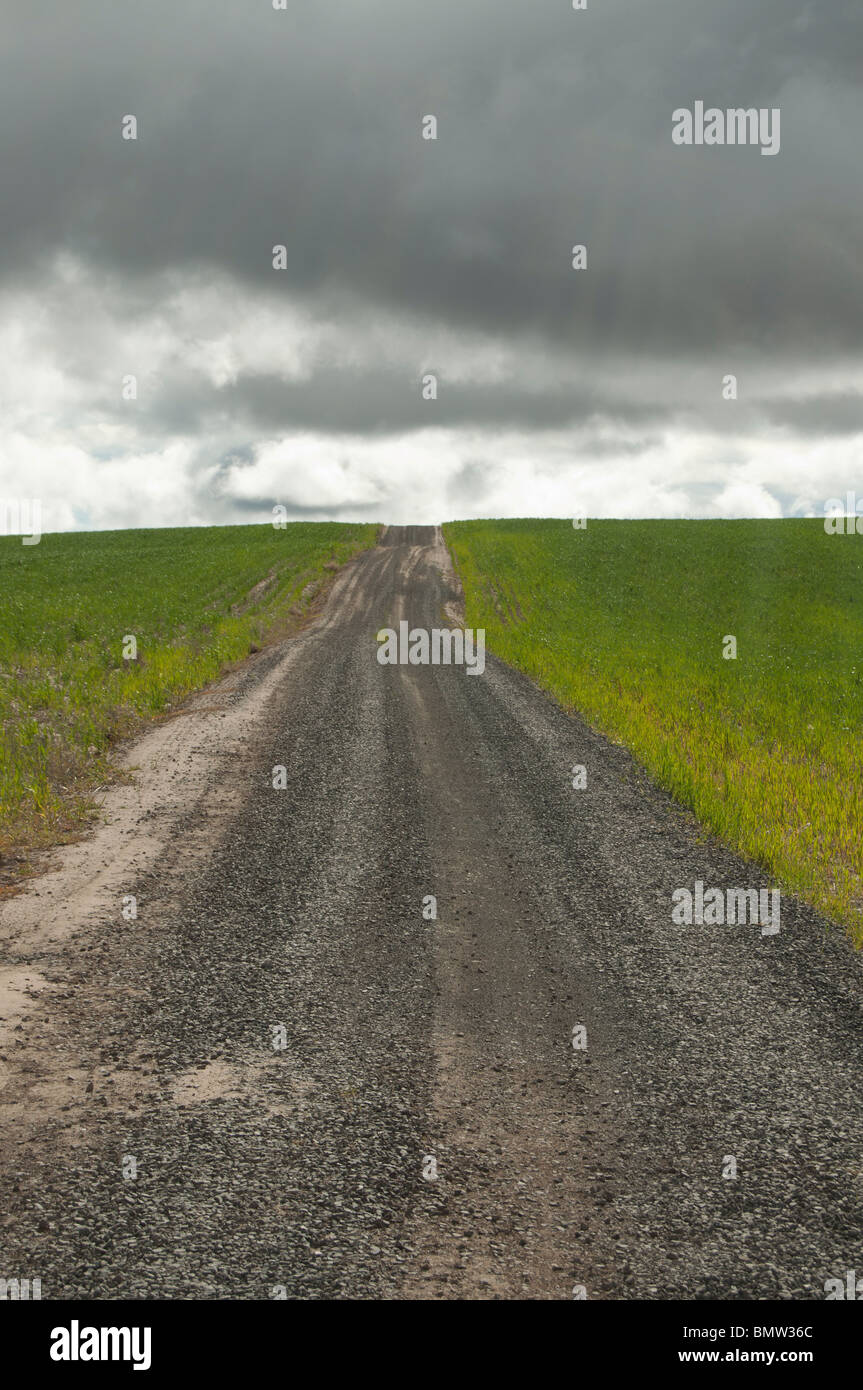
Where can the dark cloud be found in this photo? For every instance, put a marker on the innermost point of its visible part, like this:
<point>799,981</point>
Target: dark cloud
<point>262,509</point>
<point>260,127</point>
<point>839,413</point>
<point>379,402</point>
<point>302,127</point>
<point>474,480</point>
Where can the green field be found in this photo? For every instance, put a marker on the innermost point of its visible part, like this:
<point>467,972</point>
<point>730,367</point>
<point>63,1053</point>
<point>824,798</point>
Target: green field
<point>624,621</point>
<point>66,605</point>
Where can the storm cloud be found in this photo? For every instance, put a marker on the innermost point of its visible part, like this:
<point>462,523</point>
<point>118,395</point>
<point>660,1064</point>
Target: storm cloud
<point>555,389</point>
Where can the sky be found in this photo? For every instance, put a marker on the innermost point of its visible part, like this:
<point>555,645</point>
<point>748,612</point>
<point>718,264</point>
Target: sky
<point>599,391</point>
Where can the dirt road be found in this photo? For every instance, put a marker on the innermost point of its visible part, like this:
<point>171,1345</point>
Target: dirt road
<point>281,1076</point>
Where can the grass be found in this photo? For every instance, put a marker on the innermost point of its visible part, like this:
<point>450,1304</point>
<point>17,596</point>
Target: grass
<point>624,621</point>
<point>68,603</point>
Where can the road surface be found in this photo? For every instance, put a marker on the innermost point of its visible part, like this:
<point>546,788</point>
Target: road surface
<point>282,1077</point>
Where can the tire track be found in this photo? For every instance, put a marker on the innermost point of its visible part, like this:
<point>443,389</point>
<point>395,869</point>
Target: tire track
<point>301,1166</point>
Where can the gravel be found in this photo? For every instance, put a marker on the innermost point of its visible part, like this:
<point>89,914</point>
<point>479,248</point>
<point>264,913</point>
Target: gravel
<point>304,1170</point>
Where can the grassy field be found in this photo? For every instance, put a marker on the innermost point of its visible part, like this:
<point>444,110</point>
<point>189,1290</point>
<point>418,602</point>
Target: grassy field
<point>68,603</point>
<point>625,620</point>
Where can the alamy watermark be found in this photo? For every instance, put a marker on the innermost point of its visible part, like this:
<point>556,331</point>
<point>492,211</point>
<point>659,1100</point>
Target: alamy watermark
<point>438,646</point>
<point>717,907</point>
<point>843,518</point>
<point>848,1288</point>
<point>735,126</point>
<point>77,1343</point>
<point>21,516</point>
<point>20,1290</point>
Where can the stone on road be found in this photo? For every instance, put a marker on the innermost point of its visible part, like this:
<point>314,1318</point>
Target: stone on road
<point>286,1076</point>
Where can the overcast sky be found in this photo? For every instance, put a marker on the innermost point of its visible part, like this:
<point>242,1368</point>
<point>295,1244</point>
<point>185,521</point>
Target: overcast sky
<point>560,391</point>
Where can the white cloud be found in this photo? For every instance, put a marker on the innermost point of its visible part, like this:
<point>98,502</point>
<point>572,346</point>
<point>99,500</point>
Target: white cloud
<point>180,455</point>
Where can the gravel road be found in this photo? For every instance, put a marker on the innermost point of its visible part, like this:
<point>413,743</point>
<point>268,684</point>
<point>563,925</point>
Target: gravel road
<point>323,1093</point>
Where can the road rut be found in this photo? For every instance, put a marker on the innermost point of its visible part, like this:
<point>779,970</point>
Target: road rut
<point>324,1094</point>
